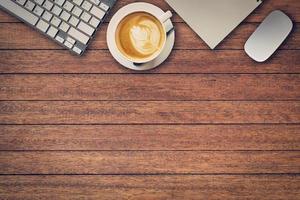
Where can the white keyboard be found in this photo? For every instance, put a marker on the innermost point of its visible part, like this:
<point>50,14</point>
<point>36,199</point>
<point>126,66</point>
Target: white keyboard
<point>71,23</point>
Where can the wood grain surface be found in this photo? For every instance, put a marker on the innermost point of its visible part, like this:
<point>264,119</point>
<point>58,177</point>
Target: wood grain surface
<point>151,187</point>
<point>150,87</point>
<point>204,125</point>
<point>158,138</point>
<point>149,162</point>
<point>149,112</point>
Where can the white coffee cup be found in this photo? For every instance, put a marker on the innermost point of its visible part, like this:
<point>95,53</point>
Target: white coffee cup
<point>162,19</point>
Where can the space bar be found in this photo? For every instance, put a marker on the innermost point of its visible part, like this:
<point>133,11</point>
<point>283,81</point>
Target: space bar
<point>19,11</point>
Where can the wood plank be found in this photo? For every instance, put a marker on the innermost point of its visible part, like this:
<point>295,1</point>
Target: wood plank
<point>19,36</point>
<point>149,162</point>
<point>150,87</point>
<point>143,137</point>
<point>148,112</point>
<point>180,61</point>
<point>150,187</point>
<point>257,16</point>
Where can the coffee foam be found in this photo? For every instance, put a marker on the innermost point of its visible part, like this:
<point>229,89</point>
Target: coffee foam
<point>145,37</point>
<point>140,35</point>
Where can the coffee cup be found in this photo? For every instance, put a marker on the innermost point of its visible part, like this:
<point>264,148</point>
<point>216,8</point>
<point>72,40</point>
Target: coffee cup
<point>141,36</point>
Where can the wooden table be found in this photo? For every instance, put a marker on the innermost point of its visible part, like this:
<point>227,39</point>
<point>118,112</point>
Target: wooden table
<point>204,125</point>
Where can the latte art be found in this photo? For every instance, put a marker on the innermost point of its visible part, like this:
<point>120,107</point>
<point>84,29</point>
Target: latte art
<point>140,35</point>
<point>145,37</point>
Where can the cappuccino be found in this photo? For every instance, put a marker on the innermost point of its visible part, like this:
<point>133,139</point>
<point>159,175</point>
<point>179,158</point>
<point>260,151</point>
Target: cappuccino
<point>140,36</point>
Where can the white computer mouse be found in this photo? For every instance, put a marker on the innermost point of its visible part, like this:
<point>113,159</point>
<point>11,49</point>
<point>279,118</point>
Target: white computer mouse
<point>269,36</point>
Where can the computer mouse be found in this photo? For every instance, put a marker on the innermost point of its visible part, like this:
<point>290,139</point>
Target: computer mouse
<point>269,36</point>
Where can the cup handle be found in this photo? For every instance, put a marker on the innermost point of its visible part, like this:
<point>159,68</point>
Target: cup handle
<point>164,18</point>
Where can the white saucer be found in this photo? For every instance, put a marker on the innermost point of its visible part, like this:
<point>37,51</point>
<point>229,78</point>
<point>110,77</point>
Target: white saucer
<point>111,36</point>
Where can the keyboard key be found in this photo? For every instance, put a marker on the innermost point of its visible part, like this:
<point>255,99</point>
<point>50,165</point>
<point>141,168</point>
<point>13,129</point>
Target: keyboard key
<point>94,22</point>
<point>68,6</point>
<point>64,26</point>
<point>77,50</point>
<point>47,16</point>
<point>40,2</point>
<point>38,10</point>
<point>95,2</point>
<point>86,28</point>
<point>20,11</point>
<point>71,40</point>
<point>78,35</point>
<point>86,5</point>
<point>56,10</point>
<point>97,12</point>
<point>85,16</point>
<point>78,2</point>
<point>59,2</point>
<point>65,16</point>
<point>42,25</point>
<point>48,5</point>
<point>104,6</point>
<point>74,21</point>
<point>80,45</point>
<point>29,5</point>
<point>59,39</point>
<point>52,31</point>
<point>77,11</point>
<point>62,34</point>
<point>55,21</point>
<point>68,44</point>
<point>21,2</point>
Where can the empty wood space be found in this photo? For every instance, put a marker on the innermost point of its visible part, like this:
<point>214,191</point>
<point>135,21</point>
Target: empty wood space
<point>149,112</point>
<point>159,137</point>
<point>150,87</point>
<point>149,162</point>
<point>204,125</point>
<point>151,187</point>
